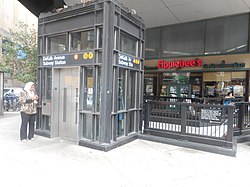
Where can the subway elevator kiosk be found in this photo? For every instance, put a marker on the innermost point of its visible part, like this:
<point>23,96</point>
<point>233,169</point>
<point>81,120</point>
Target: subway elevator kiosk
<point>90,74</point>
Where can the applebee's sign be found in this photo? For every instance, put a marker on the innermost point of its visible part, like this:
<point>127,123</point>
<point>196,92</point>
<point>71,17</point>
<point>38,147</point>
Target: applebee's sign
<point>162,64</point>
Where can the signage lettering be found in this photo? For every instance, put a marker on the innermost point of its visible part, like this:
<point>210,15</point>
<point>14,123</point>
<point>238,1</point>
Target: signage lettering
<point>68,59</point>
<point>162,64</point>
<point>128,61</point>
<point>211,114</point>
<point>232,65</point>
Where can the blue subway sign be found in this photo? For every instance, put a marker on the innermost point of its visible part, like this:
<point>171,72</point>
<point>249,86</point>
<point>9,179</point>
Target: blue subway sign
<point>128,61</point>
<point>68,59</point>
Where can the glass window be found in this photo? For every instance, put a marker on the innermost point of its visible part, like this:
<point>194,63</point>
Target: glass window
<point>56,44</point>
<point>98,85</point>
<point>121,89</point>
<point>132,89</point>
<point>183,39</point>
<point>131,122</point>
<point>227,35</point>
<point>100,37</point>
<point>40,45</point>
<point>82,40</point>
<point>153,43</point>
<point>99,57</point>
<point>128,44</point>
<point>121,102</point>
<point>218,84</point>
<point>97,128</point>
<point>87,126</point>
<point>48,84</point>
<point>150,86</point>
<point>46,123</point>
<point>121,125</point>
<point>88,90</point>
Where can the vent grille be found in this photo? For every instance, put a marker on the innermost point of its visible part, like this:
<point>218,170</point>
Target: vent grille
<point>70,13</point>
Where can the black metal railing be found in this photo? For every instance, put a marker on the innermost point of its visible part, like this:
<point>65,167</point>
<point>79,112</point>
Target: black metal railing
<point>203,100</point>
<point>194,122</point>
<point>242,119</point>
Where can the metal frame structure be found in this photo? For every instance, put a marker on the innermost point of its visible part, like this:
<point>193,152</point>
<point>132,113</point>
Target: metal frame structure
<point>115,58</point>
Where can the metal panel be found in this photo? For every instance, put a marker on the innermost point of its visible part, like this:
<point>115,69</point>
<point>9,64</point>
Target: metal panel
<point>67,110</point>
<point>101,120</point>
<point>72,23</point>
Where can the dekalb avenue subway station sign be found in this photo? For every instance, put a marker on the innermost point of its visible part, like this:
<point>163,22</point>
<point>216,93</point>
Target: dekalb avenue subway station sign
<point>124,60</point>
<point>68,59</point>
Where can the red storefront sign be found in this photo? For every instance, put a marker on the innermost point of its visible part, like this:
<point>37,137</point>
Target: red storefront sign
<point>162,64</point>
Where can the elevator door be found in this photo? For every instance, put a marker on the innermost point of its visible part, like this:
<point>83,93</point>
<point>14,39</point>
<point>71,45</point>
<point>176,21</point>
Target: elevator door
<point>68,103</point>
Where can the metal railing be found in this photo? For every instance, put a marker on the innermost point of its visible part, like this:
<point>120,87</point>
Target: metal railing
<point>242,119</point>
<point>193,122</point>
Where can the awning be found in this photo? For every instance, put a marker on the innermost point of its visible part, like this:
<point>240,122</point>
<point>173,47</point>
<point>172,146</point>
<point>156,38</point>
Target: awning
<point>38,6</point>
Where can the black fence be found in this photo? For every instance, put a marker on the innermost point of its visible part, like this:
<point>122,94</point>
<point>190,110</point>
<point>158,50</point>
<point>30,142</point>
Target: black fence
<point>193,122</point>
<point>204,100</point>
<point>242,119</point>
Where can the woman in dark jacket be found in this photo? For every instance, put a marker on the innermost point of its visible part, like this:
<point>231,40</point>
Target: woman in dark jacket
<point>28,100</point>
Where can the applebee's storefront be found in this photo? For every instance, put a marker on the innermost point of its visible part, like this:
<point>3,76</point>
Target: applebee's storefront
<point>221,46</point>
<point>198,77</point>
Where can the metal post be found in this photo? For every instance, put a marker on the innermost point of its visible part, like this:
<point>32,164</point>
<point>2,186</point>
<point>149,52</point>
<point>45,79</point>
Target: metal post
<point>106,77</point>
<point>230,124</point>
<point>146,114</point>
<point>183,118</point>
<point>241,116</point>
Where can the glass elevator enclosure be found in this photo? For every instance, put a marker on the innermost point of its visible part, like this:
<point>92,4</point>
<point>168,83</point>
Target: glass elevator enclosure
<point>90,74</point>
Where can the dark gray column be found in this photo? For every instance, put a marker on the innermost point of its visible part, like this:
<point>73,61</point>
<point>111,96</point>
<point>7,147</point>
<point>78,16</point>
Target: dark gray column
<point>107,72</point>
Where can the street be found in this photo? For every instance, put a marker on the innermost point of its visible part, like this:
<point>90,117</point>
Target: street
<point>55,162</point>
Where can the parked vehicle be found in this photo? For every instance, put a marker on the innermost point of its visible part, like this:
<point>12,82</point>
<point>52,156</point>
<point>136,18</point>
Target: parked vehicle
<point>11,98</point>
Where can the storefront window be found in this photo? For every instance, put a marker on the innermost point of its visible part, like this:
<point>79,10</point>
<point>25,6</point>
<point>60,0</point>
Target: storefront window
<point>196,85</point>
<point>82,40</point>
<point>150,84</point>
<point>128,44</point>
<point>56,44</point>
<point>218,84</point>
<point>175,85</point>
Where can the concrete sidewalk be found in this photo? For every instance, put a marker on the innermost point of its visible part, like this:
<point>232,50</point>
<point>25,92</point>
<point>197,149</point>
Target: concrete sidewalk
<point>54,162</point>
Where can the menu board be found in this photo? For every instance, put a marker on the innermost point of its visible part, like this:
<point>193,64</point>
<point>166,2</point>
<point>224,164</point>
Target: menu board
<point>211,115</point>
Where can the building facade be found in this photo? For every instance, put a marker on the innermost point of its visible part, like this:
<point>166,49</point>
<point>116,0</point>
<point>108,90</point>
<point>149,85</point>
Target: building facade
<point>202,59</point>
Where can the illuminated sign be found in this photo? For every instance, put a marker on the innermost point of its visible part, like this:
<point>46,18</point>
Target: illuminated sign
<point>232,65</point>
<point>128,61</point>
<point>162,64</point>
<point>68,59</point>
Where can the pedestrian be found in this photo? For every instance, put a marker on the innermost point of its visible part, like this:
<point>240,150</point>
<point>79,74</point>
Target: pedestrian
<point>229,99</point>
<point>28,100</point>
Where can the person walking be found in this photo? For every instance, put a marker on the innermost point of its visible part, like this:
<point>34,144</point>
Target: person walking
<point>28,100</point>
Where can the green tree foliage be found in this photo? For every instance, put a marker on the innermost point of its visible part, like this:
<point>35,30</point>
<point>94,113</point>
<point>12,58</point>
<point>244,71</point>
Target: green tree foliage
<point>19,51</point>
